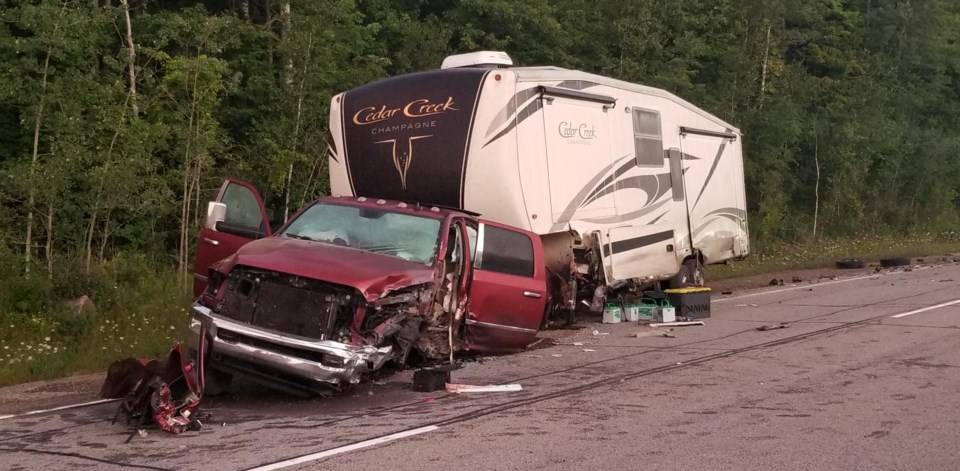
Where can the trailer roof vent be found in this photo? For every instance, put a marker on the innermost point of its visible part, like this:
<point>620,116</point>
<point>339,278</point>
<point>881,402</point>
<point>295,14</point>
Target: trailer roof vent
<point>480,59</point>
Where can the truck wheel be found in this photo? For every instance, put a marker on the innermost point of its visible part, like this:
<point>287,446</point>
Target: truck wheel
<point>216,383</point>
<point>690,275</point>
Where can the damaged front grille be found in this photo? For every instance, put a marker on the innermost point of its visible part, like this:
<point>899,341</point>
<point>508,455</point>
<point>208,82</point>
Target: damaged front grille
<point>302,353</point>
<point>284,303</point>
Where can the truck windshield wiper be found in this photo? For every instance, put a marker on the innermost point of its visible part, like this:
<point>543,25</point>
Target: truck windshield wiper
<point>299,236</point>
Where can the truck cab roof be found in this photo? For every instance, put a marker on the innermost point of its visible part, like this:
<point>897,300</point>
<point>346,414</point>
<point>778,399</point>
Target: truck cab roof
<point>413,208</point>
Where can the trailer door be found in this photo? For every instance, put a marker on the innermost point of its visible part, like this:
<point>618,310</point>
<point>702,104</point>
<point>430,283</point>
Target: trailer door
<point>714,192</point>
<point>579,139</point>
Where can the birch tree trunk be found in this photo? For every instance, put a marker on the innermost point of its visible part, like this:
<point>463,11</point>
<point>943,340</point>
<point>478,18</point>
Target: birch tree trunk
<point>49,248</point>
<point>763,72</point>
<point>35,157</point>
<point>132,54</point>
<point>816,186</point>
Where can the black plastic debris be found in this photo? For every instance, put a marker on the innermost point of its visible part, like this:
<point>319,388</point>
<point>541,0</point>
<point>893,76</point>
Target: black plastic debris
<point>432,378</point>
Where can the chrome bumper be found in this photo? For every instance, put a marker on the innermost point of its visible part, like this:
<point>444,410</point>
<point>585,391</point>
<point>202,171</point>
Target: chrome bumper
<point>289,355</point>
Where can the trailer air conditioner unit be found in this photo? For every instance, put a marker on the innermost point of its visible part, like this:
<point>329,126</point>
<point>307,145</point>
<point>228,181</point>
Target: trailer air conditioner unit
<point>480,59</point>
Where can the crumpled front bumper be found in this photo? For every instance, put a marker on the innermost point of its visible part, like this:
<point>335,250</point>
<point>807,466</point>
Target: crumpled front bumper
<point>264,352</point>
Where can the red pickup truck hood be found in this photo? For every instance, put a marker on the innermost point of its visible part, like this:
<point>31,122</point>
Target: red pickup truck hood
<point>371,273</point>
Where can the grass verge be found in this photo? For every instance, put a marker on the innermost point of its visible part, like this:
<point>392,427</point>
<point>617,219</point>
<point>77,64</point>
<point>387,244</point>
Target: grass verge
<point>824,252</point>
<point>142,317</point>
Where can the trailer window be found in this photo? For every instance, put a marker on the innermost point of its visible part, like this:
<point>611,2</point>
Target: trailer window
<point>647,139</point>
<point>506,251</point>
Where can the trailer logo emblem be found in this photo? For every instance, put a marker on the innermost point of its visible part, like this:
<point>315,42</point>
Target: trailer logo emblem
<point>402,160</point>
<point>573,131</point>
<point>414,109</point>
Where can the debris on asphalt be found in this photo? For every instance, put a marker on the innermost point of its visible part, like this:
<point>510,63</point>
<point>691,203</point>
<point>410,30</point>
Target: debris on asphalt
<point>556,355</point>
<point>772,327</point>
<point>577,344</point>
<point>677,324</point>
<point>655,333</point>
<point>726,292</point>
<point>597,332</point>
<point>469,388</point>
<point>776,282</point>
<point>797,279</point>
<point>164,392</point>
<point>746,305</point>
<point>588,350</point>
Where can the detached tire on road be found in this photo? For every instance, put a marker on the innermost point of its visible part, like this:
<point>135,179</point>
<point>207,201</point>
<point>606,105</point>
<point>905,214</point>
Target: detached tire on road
<point>894,262</point>
<point>850,263</point>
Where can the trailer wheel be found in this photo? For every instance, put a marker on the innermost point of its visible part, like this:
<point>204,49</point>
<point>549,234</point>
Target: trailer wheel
<point>690,275</point>
<point>696,269</point>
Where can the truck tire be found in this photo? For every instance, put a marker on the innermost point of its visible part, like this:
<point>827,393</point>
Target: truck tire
<point>850,263</point>
<point>690,275</point>
<point>894,262</point>
<point>216,382</point>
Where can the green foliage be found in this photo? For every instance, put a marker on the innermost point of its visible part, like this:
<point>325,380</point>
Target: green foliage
<point>850,111</point>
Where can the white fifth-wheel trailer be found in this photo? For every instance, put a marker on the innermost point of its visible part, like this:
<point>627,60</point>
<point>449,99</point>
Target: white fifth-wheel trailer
<point>627,185</point>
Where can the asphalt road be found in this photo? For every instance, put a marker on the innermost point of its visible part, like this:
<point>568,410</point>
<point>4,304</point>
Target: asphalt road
<point>847,386</point>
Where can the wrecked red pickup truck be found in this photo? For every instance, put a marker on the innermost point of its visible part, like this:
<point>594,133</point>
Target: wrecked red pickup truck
<point>350,284</point>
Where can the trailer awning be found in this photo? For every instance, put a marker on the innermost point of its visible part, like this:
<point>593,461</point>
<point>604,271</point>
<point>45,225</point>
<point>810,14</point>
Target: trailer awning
<point>704,132</point>
<point>549,91</point>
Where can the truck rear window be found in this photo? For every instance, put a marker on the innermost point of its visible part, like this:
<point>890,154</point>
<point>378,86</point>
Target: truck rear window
<point>506,251</point>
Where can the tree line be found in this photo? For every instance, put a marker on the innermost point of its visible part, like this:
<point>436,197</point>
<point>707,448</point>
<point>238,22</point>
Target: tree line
<point>119,118</point>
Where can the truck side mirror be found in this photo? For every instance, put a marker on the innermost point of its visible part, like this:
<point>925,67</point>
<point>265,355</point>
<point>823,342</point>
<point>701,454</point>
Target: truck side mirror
<point>216,212</point>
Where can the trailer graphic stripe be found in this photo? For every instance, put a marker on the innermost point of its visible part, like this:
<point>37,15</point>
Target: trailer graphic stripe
<point>585,191</point>
<point>508,111</point>
<point>521,97</point>
<point>629,216</point>
<point>636,243</point>
<point>529,110</point>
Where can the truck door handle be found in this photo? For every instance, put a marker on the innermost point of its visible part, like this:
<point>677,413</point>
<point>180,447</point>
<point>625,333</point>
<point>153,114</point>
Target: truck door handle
<point>211,241</point>
<point>531,294</point>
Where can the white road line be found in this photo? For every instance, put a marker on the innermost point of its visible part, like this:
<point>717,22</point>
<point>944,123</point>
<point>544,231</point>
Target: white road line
<point>344,449</point>
<point>71,406</point>
<point>794,288</point>
<point>929,308</point>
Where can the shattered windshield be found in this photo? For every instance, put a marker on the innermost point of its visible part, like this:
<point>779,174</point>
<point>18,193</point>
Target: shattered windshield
<point>401,235</point>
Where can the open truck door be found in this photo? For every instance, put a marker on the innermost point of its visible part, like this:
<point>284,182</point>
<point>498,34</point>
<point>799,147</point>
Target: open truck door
<point>236,217</point>
<point>508,293</point>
